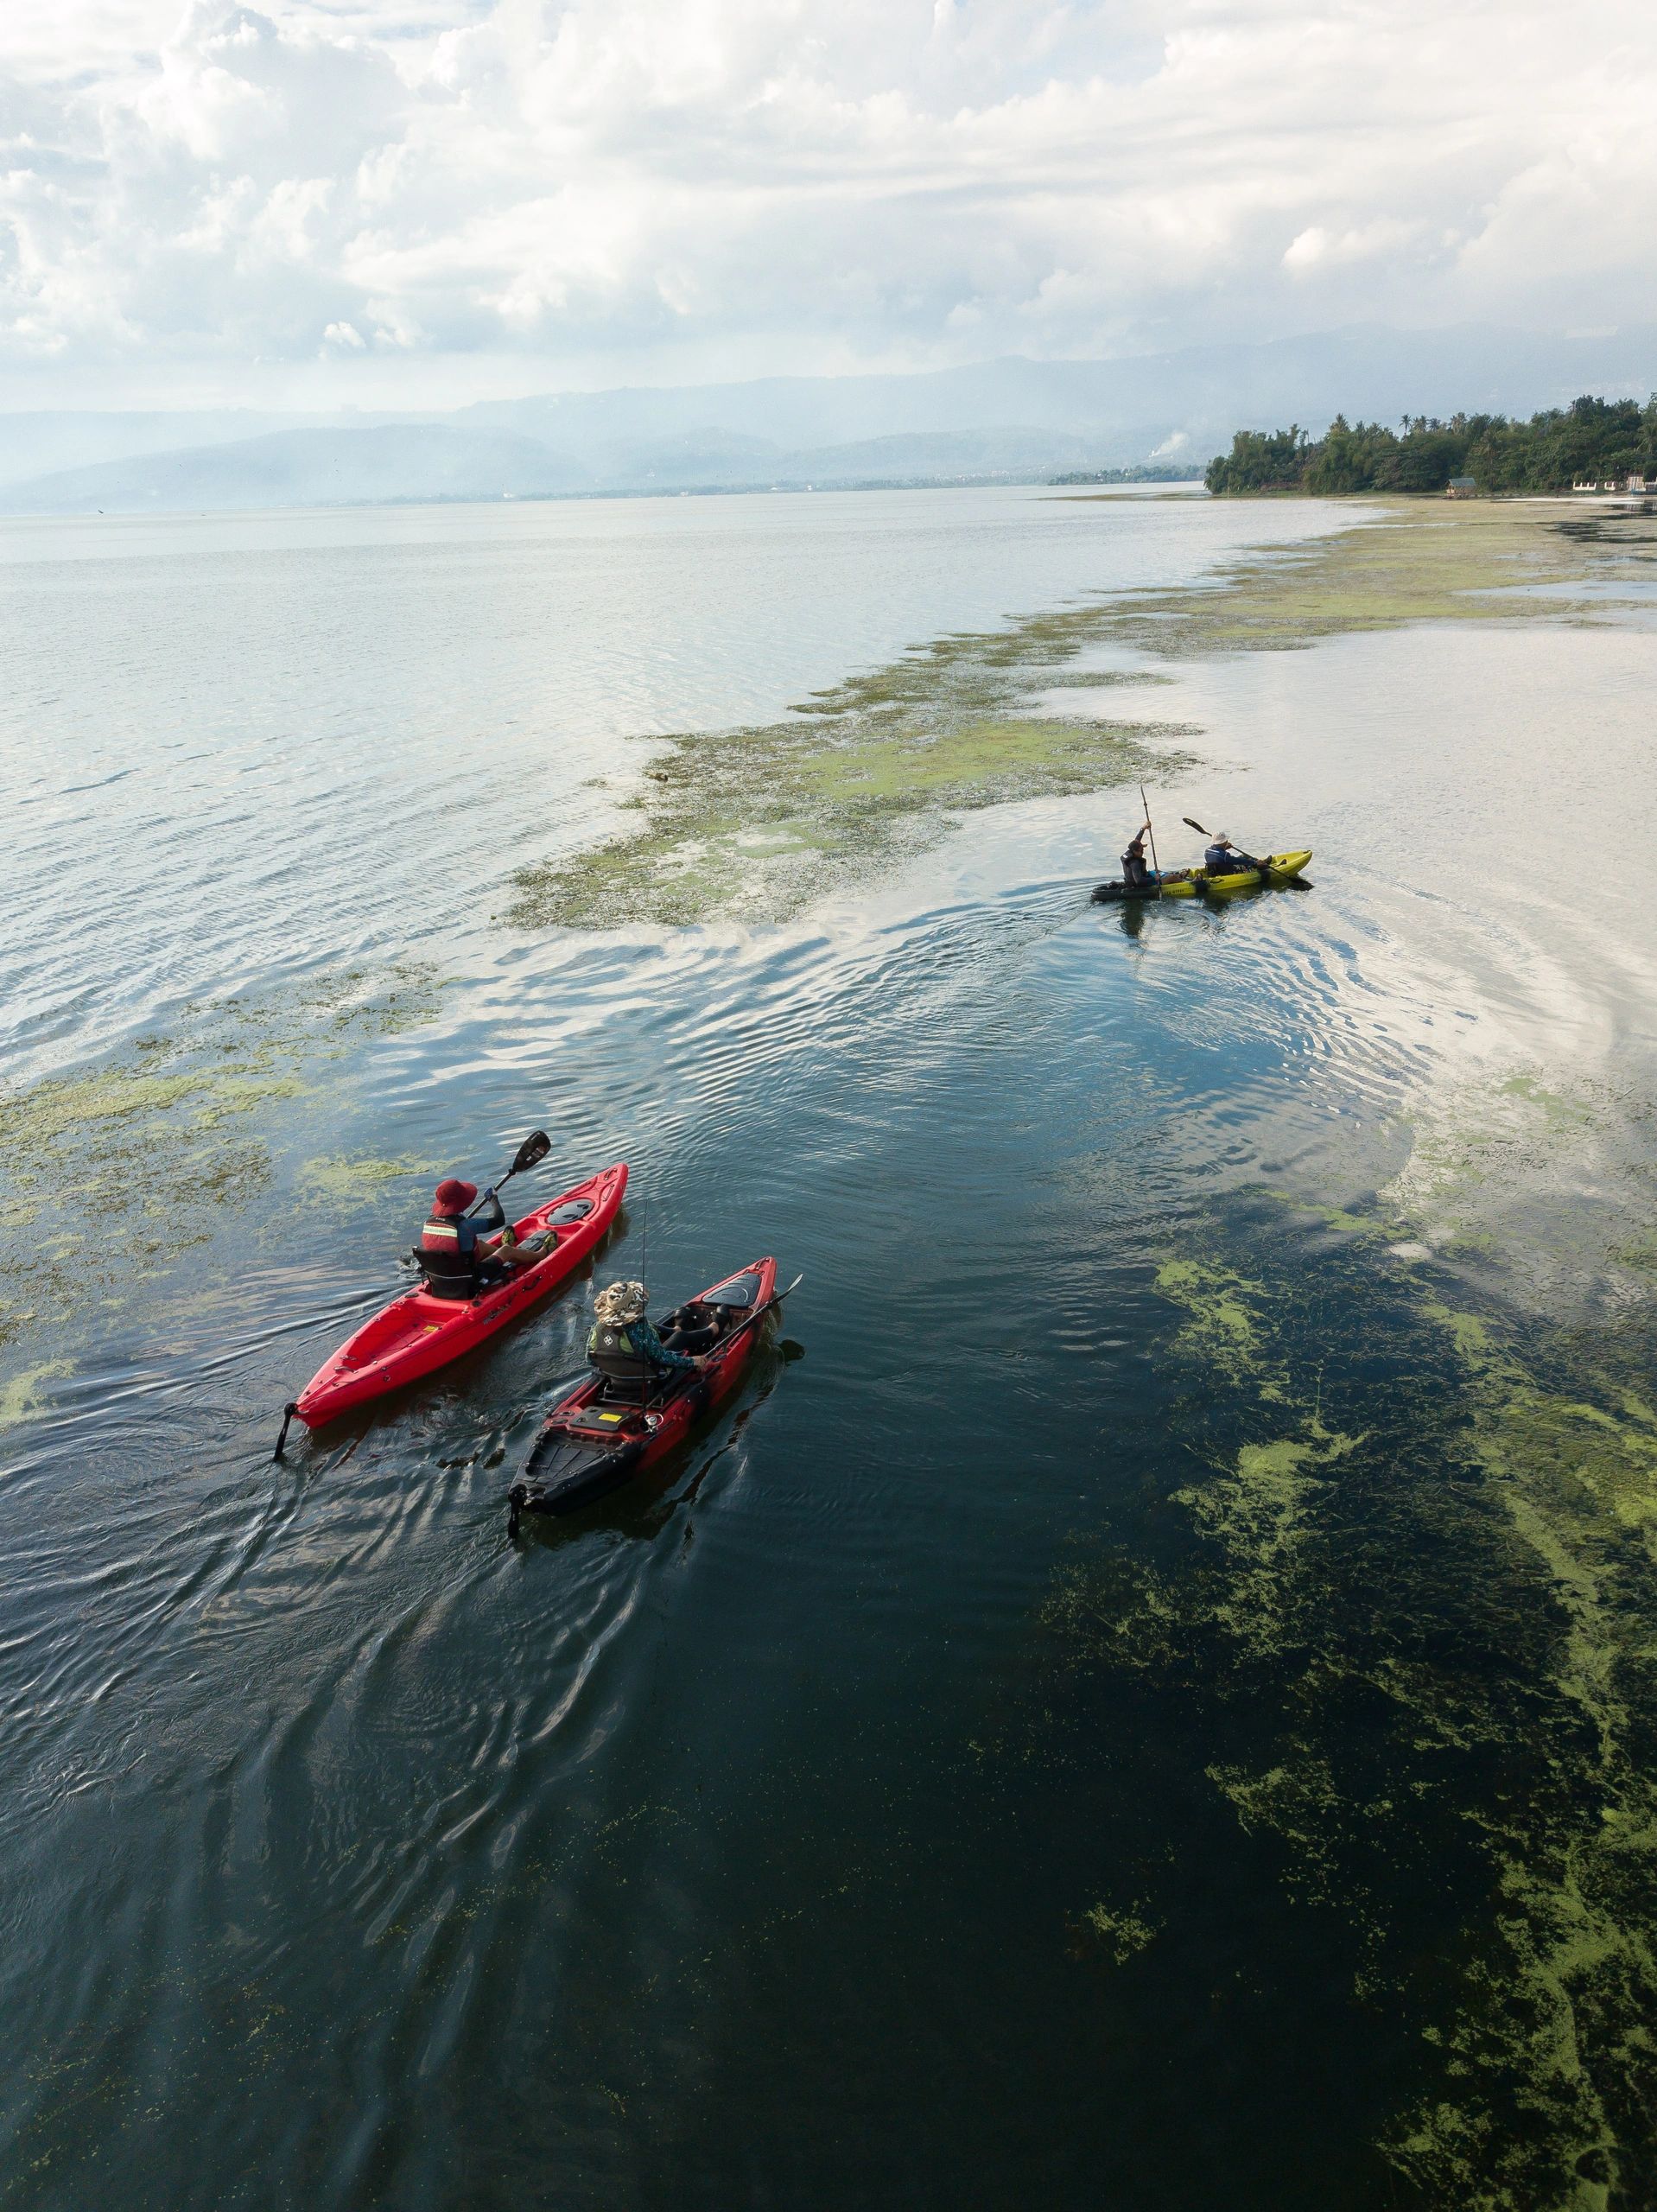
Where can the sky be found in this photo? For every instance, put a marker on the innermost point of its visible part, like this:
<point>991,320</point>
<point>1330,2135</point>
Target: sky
<point>386,202</point>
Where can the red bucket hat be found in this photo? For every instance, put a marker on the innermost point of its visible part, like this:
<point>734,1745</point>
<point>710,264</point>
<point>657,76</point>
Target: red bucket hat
<point>454,1195</point>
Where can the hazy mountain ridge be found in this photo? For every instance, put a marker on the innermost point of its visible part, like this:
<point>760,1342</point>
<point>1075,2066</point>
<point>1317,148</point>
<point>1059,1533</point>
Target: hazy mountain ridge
<point>1011,418</point>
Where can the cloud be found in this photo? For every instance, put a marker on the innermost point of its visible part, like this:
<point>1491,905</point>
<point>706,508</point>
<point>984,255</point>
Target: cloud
<point>663,187</point>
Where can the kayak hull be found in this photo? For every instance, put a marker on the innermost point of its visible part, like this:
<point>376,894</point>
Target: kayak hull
<point>590,1444</point>
<point>417,1334</point>
<point>1197,883</point>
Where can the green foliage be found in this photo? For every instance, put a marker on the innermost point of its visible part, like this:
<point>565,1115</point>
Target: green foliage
<point>1261,461</point>
<point>1597,438</point>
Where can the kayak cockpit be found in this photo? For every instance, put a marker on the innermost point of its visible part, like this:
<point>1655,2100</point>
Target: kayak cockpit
<point>614,1422</point>
<point>697,1329</point>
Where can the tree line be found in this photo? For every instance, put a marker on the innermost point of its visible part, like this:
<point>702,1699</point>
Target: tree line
<point>1596,438</point>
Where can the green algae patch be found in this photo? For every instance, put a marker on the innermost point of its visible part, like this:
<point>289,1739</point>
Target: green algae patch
<point>1223,1323</point>
<point>110,1176</point>
<point>1560,2003</point>
<point>756,821</point>
<point>1411,564</point>
<point>760,820</point>
<point>1117,1937</point>
<point>1397,1608</point>
<point>1260,1513</point>
<point>1508,1167</point>
<point>22,1398</point>
<point>334,1181</point>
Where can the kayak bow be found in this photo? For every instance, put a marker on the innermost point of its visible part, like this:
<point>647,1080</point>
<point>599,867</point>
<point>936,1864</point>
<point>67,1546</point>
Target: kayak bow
<point>417,1333</point>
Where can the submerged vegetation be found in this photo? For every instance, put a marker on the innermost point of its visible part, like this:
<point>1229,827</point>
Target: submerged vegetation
<point>760,820</point>
<point>757,820</point>
<point>111,1175</point>
<point>1600,440</point>
<point>1401,1618</point>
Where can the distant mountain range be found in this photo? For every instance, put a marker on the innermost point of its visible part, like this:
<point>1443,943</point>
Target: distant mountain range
<point>1006,420</point>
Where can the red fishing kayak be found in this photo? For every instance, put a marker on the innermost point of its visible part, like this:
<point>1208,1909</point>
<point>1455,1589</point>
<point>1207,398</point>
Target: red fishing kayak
<point>604,1432</point>
<point>418,1334</point>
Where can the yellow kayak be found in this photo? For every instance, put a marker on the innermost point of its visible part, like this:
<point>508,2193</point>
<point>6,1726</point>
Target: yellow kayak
<point>1196,882</point>
<point>1276,868</point>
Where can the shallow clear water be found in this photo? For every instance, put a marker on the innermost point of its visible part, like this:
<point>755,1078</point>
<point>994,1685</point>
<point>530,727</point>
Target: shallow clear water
<point>736,1843</point>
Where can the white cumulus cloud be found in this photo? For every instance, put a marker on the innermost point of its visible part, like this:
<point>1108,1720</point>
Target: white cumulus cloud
<point>580,190</point>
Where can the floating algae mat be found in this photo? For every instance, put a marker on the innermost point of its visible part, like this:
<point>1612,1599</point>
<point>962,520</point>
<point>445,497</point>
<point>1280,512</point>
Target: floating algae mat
<point>761,819</point>
<point>1398,1615</point>
<point>758,820</point>
<point>110,1174</point>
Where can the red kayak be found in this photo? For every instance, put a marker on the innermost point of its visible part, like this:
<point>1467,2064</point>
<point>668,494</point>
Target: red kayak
<point>605,1432</point>
<point>417,1333</point>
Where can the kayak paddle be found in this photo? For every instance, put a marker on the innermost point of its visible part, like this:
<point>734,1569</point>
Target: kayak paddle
<point>1155,862</point>
<point>1191,823</point>
<point>533,1150</point>
<point>775,1299</point>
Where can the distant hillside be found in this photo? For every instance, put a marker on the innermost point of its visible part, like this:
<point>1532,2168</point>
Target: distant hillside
<point>38,444</point>
<point>1120,409</point>
<point>290,468</point>
<point>1011,419</point>
<point>357,467</point>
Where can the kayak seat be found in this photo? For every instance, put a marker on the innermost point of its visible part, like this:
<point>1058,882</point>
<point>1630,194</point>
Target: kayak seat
<point>441,1282</point>
<point>625,1391</point>
<point>624,1377</point>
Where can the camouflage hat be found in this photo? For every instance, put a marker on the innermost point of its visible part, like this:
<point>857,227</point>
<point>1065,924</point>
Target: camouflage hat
<point>622,1302</point>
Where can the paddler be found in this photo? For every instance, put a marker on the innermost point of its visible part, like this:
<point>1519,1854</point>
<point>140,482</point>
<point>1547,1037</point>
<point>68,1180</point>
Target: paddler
<point>1135,875</point>
<point>460,1254</point>
<point>1222,857</point>
<point>623,1337</point>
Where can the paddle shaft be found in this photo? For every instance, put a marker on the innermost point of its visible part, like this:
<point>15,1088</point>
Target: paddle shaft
<point>495,1190</point>
<point>1191,823</point>
<point>537,1147</point>
<point>775,1299</point>
<point>1155,862</point>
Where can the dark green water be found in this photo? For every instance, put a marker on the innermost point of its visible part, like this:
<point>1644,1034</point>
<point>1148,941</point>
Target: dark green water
<point>1152,1709</point>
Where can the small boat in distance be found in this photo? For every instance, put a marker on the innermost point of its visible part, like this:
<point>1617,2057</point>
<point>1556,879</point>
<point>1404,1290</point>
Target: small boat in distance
<point>1276,868</point>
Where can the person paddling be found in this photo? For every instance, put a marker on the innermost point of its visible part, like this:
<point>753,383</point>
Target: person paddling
<point>623,1343</point>
<point>1222,857</point>
<point>1135,875</point>
<point>460,1255</point>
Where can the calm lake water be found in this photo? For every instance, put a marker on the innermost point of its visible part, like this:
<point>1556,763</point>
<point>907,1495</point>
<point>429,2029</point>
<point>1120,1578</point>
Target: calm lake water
<point>786,1833</point>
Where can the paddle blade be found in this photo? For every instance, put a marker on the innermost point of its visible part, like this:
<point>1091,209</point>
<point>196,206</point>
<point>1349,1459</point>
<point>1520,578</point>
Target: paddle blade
<point>1190,824</point>
<point>533,1150</point>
